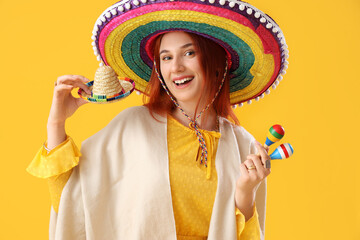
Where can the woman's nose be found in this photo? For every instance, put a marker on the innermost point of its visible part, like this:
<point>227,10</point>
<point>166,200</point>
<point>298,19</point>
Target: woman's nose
<point>177,65</point>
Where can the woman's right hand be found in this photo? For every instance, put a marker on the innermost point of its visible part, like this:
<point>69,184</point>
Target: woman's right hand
<point>63,106</point>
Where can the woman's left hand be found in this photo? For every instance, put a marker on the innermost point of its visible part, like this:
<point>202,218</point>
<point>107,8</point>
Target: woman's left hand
<point>253,172</point>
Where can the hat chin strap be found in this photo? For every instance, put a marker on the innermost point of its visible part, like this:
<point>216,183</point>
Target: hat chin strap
<point>194,123</point>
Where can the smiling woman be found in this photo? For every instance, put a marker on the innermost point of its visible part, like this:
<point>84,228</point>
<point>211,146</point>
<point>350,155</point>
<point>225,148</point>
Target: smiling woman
<point>179,167</point>
<point>201,62</point>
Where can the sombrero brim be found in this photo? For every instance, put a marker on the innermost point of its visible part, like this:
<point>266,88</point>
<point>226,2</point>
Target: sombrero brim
<point>128,87</point>
<point>124,33</point>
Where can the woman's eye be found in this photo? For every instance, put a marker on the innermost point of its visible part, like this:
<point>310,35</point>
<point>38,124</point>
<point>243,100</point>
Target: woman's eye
<point>189,53</point>
<point>166,58</point>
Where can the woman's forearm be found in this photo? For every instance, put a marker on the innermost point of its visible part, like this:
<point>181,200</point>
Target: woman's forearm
<point>245,203</point>
<point>55,134</point>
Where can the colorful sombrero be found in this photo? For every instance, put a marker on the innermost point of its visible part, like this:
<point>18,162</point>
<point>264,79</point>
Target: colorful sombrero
<point>254,43</point>
<point>107,87</point>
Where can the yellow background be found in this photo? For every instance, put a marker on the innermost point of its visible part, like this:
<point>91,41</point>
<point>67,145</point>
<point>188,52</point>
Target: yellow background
<point>313,195</point>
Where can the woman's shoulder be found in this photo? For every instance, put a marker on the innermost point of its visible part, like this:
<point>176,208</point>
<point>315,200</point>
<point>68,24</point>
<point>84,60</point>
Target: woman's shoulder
<point>133,118</point>
<point>240,132</point>
<point>132,112</point>
<point>123,122</point>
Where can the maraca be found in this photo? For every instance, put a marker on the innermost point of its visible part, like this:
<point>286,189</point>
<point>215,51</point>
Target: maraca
<point>283,151</point>
<point>276,132</point>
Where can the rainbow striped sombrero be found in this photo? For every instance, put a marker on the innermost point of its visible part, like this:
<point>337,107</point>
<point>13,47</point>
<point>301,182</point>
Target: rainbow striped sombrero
<point>254,43</point>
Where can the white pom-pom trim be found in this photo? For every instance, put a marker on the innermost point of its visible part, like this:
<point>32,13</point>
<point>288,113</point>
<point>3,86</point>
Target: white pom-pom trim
<point>231,4</point>
<point>101,64</point>
<point>127,6</point>
<point>263,20</point>
<point>94,48</point>
<point>222,2</point>
<point>234,106</point>
<point>211,1</point>
<point>249,102</point>
<point>93,37</point>
<point>240,104</point>
<point>138,93</point>
<point>103,19</point>
<point>108,15</point>
<point>98,58</point>
<point>275,30</point>
<point>96,28</point>
<point>257,14</point>
<point>257,98</point>
<point>276,83</point>
<point>269,25</point>
<point>121,8</point>
<point>273,86</point>
<point>280,77</point>
<point>262,95</point>
<point>143,1</point>
<point>267,92</point>
<point>93,43</point>
<point>136,2</point>
<point>241,7</point>
<point>99,22</point>
<point>249,11</point>
<point>113,11</point>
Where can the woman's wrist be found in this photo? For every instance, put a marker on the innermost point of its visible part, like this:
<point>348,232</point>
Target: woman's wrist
<point>55,122</point>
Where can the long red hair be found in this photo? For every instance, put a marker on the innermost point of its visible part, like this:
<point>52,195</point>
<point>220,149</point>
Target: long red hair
<point>213,62</point>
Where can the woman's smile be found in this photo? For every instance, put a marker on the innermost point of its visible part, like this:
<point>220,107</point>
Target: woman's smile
<point>182,82</point>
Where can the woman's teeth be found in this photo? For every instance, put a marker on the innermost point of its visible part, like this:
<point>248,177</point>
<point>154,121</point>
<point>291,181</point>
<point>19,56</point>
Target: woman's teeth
<point>182,81</point>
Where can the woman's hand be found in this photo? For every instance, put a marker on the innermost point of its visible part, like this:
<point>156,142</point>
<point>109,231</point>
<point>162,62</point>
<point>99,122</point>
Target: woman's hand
<point>63,106</point>
<point>253,172</point>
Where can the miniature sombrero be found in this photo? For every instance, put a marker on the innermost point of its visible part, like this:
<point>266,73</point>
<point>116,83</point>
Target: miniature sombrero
<point>107,87</point>
<point>255,45</point>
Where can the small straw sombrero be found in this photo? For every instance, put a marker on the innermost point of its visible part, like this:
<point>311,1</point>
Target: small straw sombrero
<point>124,33</point>
<point>107,87</point>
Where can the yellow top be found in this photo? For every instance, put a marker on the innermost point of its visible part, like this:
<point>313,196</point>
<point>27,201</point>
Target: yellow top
<point>193,186</point>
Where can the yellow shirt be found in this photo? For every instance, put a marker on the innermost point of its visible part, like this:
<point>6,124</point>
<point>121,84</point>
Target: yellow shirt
<point>193,186</point>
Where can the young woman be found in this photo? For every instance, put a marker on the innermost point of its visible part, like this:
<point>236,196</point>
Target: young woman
<point>179,167</point>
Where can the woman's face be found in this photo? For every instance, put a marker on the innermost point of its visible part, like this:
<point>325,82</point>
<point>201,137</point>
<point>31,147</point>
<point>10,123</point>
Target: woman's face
<point>180,67</point>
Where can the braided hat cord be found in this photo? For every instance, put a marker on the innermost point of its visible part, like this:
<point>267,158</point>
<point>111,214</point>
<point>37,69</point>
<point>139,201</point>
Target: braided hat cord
<point>194,122</point>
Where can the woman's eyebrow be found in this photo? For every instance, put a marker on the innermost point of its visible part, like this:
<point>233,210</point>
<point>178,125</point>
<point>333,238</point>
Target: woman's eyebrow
<point>183,46</point>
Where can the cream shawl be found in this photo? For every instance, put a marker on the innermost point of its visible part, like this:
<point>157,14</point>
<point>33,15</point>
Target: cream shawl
<point>121,188</point>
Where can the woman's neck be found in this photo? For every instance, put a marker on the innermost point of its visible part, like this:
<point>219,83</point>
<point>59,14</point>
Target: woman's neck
<point>207,120</point>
